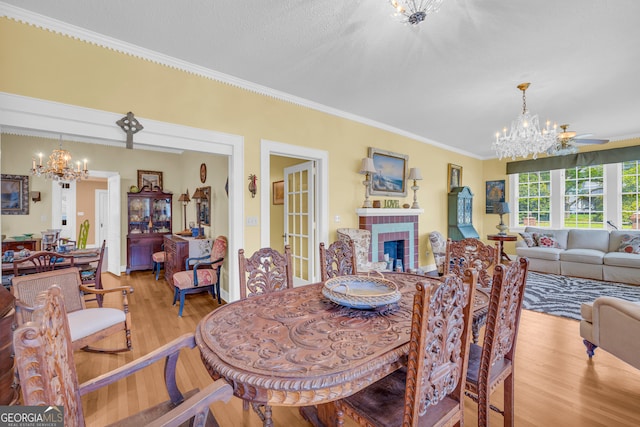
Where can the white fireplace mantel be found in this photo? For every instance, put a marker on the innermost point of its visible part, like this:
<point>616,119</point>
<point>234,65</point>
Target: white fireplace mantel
<point>388,212</point>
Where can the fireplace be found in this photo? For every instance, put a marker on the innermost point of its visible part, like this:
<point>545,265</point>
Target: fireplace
<point>399,226</point>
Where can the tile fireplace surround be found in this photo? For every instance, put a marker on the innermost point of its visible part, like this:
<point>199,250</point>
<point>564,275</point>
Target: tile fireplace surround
<point>392,225</point>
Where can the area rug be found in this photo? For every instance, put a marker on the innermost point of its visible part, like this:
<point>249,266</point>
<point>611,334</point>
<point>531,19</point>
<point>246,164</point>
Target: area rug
<point>562,295</point>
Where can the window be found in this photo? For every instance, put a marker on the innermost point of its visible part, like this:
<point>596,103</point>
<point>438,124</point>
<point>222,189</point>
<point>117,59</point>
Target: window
<point>630,195</point>
<point>581,197</point>
<point>534,198</point>
<point>584,197</point>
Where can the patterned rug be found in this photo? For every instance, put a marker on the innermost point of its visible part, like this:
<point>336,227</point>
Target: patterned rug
<point>562,295</point>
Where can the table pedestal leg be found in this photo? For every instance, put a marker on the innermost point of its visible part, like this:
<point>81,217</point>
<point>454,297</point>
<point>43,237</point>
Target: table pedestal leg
<point>323,415</point>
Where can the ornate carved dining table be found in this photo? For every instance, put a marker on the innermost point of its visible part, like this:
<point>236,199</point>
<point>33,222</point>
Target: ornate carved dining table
<point>297,348</point>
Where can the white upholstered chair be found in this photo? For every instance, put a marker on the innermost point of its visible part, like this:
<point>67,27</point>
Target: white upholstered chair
<point>362,243</point>
<point>612,324</point>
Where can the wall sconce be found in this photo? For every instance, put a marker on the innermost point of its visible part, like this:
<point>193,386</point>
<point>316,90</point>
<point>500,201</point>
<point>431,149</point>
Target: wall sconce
<point>415,175</point>
<point>366,169</point>
<point>35,196</point>
<point>253,186</point>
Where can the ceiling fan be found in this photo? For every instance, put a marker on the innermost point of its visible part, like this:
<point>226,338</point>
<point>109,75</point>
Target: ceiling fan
<point>566,142</point>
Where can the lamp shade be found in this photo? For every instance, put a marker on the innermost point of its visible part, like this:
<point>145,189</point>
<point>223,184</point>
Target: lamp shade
<point>199,194</point>
<point>367,166</point>
<point>415,174</point>
<point>184,197</point>
<point>501,208</point>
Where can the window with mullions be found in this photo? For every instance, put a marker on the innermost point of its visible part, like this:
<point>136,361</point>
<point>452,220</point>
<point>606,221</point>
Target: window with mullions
<point>631,194</point>
<point>584,197</point>
<point>534,198</point>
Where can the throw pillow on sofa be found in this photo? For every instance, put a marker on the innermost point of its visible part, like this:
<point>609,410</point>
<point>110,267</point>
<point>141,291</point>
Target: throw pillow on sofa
<point>630,244</point>
<point>528,239</point>
<point>546,240</point>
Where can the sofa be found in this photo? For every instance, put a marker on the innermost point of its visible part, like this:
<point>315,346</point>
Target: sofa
<point>595,254</point>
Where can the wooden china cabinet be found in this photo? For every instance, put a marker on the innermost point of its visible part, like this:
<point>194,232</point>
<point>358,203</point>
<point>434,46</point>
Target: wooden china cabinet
<point>149,218</point>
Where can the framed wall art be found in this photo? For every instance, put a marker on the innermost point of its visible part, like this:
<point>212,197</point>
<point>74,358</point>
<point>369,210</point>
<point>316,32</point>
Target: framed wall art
<point>278,193</point>
<point>495,194</point>
<point>454,176</point>
<point>15,194</point>
<point>391,176</point>
<point>149,180</point>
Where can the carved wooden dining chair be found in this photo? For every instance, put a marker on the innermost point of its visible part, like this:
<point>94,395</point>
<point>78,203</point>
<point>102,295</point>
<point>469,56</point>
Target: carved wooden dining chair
<point>267,270</point>
<point>492,363</point>
<point>202,276</point>
<point>471,253</point>
<point>46,369</point>
<point>42,261</point>
<point>338,259</point>
<point>88,325</point>
<point>430,390</point>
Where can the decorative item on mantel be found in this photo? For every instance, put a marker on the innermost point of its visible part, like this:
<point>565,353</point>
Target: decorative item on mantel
<point>415,175</point>
<point>367,168</point>
<point>501,208</point>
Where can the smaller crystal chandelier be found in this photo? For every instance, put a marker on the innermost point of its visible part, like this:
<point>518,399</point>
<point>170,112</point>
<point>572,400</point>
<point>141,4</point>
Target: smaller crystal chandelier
<point>414,12</point>
<point>525,136</point>
<point>59,167</point>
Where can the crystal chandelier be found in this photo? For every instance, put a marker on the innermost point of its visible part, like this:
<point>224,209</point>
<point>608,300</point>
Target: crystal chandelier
<point>59,167</point>
<point>414,12</point>
<point>525,136</point>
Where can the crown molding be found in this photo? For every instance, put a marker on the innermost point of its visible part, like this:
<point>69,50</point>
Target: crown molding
<point>63,28</point>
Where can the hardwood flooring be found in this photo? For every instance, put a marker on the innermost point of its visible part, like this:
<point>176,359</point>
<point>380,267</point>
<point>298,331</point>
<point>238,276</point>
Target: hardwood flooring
<point>556,384</point>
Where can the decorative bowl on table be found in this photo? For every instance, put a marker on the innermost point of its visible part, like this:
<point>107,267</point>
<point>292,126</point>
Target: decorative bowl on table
<point>28,235</point>
<point>21,238</point>
<point>363,292</point>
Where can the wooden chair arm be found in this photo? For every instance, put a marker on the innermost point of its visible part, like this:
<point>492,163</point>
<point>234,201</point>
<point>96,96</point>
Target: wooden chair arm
<point>87,290</point>
<point>204,263</point>
<point>197,405</point>
<point>166,351</point>
<point>22,307</point>
<point>188,260</point>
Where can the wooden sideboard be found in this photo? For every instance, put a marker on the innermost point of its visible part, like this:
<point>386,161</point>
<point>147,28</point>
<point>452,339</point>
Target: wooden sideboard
<point>178,249</point>
<point>32,244</point>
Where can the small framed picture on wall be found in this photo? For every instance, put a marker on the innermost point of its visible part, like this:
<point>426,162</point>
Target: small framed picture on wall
<point>454,176</point>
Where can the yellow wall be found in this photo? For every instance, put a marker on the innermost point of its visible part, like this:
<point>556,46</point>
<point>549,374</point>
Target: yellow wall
<point>41,64</point>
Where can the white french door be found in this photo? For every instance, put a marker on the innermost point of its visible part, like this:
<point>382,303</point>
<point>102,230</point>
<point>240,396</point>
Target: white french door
<point>299,223</point>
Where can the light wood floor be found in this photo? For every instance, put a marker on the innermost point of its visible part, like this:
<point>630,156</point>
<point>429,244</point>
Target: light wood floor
<point>556,384</point>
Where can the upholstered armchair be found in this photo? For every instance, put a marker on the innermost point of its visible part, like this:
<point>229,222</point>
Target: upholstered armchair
<point>362,242</point>
<point>439,249</point>
<point>612,324</point>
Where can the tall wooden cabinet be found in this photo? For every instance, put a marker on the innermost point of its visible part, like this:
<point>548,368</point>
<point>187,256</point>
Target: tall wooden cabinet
<point>149,217</point>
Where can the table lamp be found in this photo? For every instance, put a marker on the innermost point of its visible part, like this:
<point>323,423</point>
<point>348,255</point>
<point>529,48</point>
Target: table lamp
<point>367,168</point>
<point>501,208</point>
<point>184,198</point>
<point>416,175</point>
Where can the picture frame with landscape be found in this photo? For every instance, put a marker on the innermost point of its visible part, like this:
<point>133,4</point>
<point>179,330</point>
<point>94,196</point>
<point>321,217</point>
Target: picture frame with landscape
<point>390,178</point>
<point>149,180</point>
<point>15,194</point>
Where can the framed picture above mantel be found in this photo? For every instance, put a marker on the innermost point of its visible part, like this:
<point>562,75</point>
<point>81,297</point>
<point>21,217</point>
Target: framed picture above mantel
<point>390,178</point>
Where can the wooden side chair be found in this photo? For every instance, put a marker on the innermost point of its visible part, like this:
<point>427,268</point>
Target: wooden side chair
<point>492,363</point>
<point>92,276</point>
<point>43,261</point>
<point>87,325</point>
<point>430,390</point>
<point>339,259</point>
<point>267,270</point>
<point>45,365</point>
<point>204,275</point>
<point>83,235</point>
<point>471,253</point>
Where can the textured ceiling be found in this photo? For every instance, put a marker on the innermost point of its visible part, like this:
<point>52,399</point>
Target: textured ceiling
<point>451,81</point>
